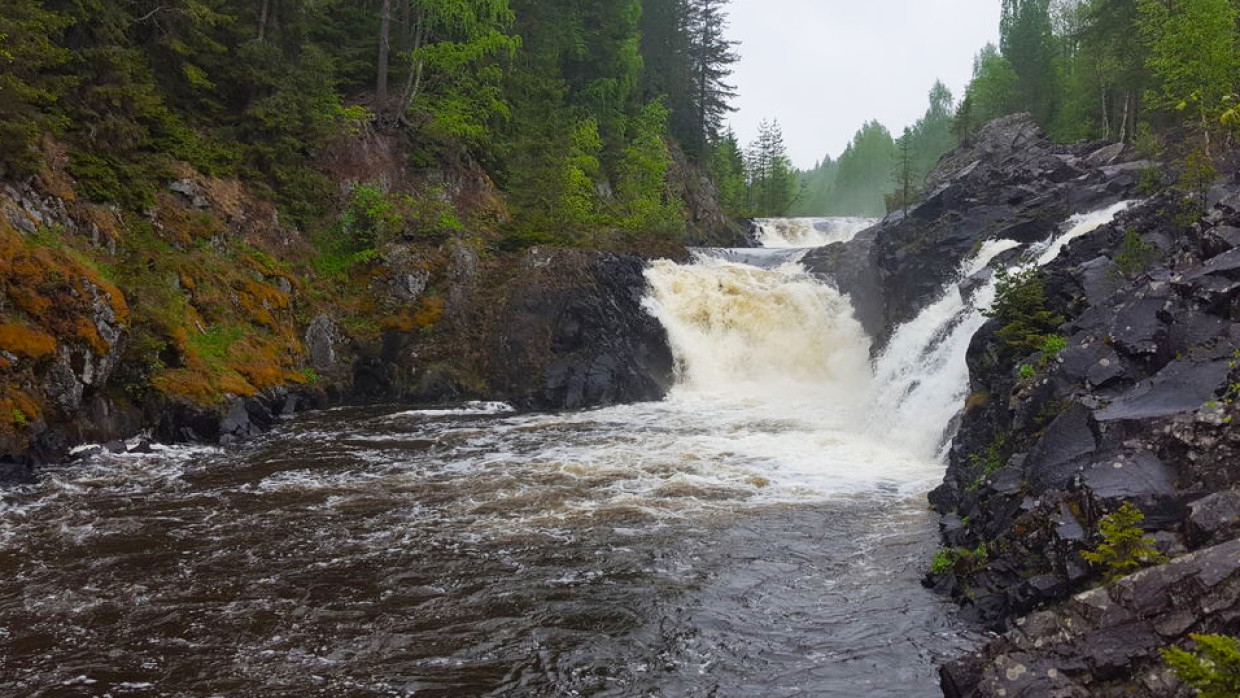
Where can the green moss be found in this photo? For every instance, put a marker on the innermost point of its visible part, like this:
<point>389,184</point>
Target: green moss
<point>960,561</point>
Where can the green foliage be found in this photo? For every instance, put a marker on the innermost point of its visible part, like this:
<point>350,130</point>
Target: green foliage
<point>1213,671</point>
<point>213,345</point>
<point>641,191</point>
<point>1026,325</point>
<point>959,561</point>
<point>370,219</point>
<point>1135,255</point>
<point>1026,372</point>
<point>991,94</point>
<point>1199,175</point>
<point>993,458</point>
<point>1027,44</point>
<point>29,86</point>
<point>1124,548</point>
<point>772,181</point>
<point>1193,55</point>
<point>19,418</point>
<point>1151,181</point>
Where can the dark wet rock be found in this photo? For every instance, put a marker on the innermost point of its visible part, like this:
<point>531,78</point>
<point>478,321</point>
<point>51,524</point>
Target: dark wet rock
<point>142,446</point>
<point>1106,642</point>
<point>1065,449</point>
<point>1183,386</point>
<point>1010,181</point>
<point>1213,519</point>
<point>1139,477</point>
<point>583,341</point>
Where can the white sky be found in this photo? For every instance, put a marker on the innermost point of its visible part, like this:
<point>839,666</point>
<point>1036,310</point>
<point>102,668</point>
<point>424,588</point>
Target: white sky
<point>824,67</point>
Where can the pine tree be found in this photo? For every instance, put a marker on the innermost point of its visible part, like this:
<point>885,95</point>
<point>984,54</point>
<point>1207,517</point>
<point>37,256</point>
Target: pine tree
<point>1026,42</point>
<point>772,181</point>
<point>711,56</point>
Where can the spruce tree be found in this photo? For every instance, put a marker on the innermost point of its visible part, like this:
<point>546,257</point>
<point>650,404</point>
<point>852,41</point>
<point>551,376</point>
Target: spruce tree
<point>711,56</point>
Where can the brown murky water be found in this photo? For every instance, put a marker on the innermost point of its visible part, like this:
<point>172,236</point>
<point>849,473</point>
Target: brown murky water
<point>640,551</point>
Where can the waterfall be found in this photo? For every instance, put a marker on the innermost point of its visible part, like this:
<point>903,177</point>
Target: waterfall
<point>808,232</point>
<point>738,327</point>
<point>780,336</point>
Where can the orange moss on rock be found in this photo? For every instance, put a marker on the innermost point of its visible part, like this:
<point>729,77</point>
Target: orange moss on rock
<point>426,317</point>
<point>202,385</point>
<point>18,410</point>
<point>56,290</point>
<point>23,341</point>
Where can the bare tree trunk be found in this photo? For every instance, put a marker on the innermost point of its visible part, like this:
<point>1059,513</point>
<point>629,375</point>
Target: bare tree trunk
<point>262,20</point>
<point>413,83</point>
<point>1106,120</point>
<point>385,48</point>
<point>1123,125</point>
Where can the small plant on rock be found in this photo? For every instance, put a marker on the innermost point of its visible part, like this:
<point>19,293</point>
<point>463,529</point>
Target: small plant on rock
<point>1135,255</point>
<point>19,418</point>
<point>1124,548</point>
<point>1214,671</point>
<point>959,560</point>
<point>1020,306</point>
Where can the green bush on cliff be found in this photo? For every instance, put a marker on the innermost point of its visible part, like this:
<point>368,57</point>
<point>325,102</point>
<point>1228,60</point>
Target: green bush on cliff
<point>960,561</point>
<point>1135,255</point>
<point>1214,671</point>
<point>1026,325</point>
<point>1124,548</point>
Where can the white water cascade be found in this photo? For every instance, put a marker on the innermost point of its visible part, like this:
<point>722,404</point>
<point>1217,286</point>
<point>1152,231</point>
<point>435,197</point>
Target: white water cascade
<point>783,343</point>
<point>776,233</point>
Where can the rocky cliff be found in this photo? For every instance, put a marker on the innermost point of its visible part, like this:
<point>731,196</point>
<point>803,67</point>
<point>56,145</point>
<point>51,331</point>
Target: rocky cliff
<point>1135,402</point>
<point>208,317</point>
<point>1010,182</point>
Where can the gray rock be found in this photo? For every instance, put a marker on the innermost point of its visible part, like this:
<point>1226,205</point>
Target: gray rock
<point>1108,637</point>
<point>1213,519</point>
<point>1140,477</point>
<point>1065,449</point>
<point>1105,155</point>
<point>1183,386</point>
<point>193,193</point>
<point>323,337</point>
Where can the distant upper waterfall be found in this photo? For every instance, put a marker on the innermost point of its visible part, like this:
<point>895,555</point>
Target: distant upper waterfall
<point>808,232</point>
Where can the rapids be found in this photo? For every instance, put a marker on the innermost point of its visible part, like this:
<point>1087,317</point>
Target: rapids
<point>761,532</point>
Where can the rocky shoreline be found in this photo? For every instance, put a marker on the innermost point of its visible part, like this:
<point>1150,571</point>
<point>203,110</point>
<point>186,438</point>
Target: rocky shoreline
<point>542,328</point>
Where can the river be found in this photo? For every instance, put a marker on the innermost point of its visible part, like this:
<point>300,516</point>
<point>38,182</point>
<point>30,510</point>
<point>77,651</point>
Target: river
<point>762,532</point>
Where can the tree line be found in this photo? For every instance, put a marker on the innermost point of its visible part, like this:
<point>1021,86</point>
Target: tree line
<point>575,108</point>
<point>1152,73</point>
<point>1138,71</point>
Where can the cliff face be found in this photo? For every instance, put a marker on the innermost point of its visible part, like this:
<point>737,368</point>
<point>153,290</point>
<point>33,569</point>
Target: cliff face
<point>1138,407</point>
<point>1010,182</point>
<point>207,317</point>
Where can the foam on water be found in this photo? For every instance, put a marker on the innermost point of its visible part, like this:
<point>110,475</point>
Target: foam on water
<point>808,232</point>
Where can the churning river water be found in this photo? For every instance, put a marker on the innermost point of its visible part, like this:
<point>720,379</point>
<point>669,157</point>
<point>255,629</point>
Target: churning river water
<point>760,533</point>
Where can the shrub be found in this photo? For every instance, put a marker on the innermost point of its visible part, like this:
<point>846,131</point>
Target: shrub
<point>959,561</point>
<point>1027,371</point>
<point>1020,306</point>
<point>1124,548</point>
<point>1214,672</point>
<point>1135,255</point>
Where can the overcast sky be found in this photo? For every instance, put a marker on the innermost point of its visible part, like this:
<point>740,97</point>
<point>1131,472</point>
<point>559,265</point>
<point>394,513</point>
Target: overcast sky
<point>824,67</point>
